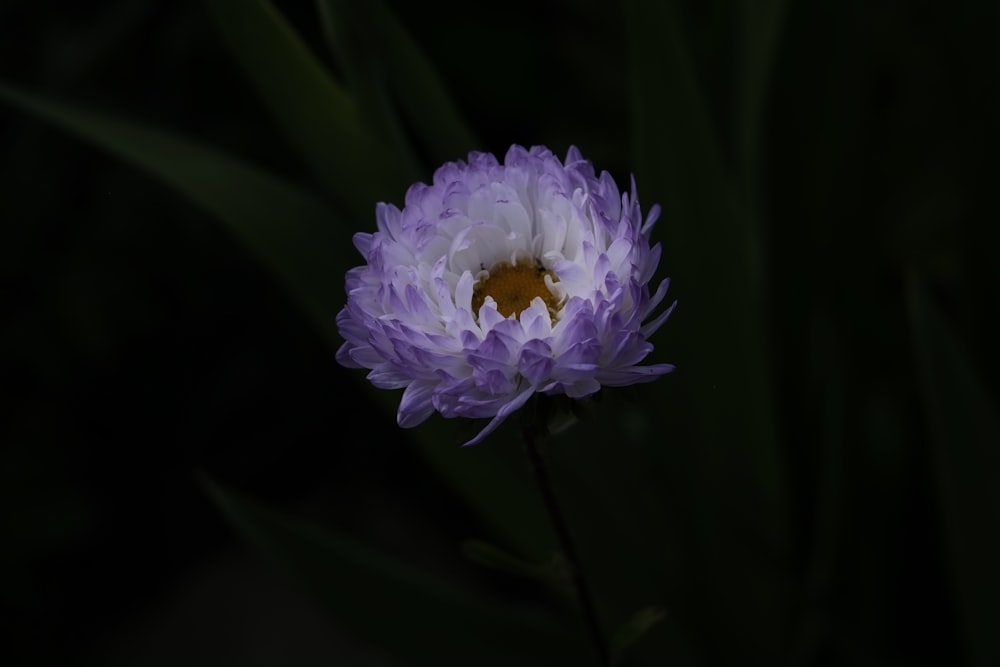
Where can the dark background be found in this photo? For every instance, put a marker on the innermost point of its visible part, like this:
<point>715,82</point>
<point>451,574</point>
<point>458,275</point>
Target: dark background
<point>141,343</point>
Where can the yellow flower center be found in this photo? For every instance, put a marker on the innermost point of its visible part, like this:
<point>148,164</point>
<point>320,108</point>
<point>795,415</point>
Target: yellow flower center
<point>513,287</point>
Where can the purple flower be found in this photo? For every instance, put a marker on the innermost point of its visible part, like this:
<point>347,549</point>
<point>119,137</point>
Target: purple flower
<point>497,281</point>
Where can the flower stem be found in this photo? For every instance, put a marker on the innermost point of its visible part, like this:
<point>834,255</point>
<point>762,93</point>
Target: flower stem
<point>568,547</point>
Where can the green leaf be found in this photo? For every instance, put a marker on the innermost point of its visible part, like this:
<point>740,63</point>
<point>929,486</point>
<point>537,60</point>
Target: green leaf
<point>713,253</point>
<point>553,574</point>
<point>418,618</point>
<point>713,249</point>
<point>388,54</point>
<point>366,76</point>
<point>824,382</point>
<point>759,25</point>
<point>292,232</point>
<point>964,431</point>
<point>304,243</point>
<point>633,630</point>
<point>319,117</point>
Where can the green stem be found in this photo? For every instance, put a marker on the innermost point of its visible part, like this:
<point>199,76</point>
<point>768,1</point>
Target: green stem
<point>566,543</point>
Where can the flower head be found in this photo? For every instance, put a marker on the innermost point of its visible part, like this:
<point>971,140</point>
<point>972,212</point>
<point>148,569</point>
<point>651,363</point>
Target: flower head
<point>499,281</point>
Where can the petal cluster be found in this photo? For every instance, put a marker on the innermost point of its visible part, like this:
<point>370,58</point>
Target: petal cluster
<point>409,315</point>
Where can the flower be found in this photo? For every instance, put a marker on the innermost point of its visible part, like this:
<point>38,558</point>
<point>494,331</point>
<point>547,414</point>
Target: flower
<point>499,281</point>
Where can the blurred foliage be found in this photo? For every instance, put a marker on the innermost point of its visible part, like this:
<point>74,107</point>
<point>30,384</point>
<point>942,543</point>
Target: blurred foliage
<point>816,484</point>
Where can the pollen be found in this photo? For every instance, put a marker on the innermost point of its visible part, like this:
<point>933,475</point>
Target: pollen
<point>513,287</point>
